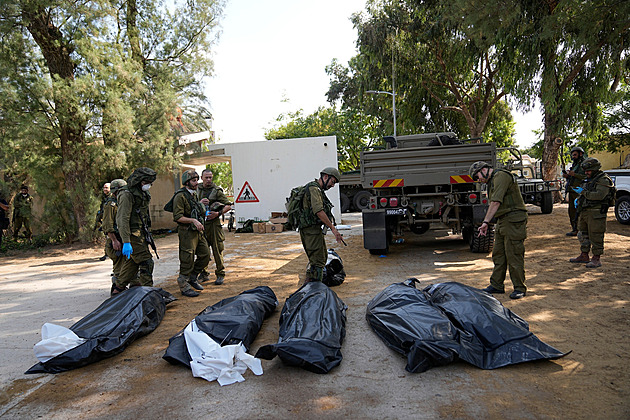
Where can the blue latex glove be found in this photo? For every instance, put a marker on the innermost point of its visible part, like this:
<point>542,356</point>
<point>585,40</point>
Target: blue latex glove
<point>578,190</point>
<point>127,250</point>
<point>575,204</point>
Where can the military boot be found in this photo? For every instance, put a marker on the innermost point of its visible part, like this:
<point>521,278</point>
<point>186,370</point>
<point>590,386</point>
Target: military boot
<point>194,283</point>
<point>185,288</point>
<point>582,258</point>
<point>595,262</point>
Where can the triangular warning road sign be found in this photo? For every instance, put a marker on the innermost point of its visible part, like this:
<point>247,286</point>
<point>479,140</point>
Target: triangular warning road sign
<point>247,195</point>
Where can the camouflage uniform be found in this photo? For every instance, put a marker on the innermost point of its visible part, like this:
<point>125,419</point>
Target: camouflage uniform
<point>100,213</point>
<point>110,208</point>
<point>213,230</point>
<point>311,233</point>
<point>133,207</point>
<point>22,211</point>
<point>191,241</point>
<point>510,231</point>
<point>576,181</point>
<point>593,208</point>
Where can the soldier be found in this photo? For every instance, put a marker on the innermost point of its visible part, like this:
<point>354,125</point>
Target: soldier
<point>506,204</point>
<point>574,178</point>
<point>133,222</point>
<point>99,214</point>
<point>22,210</point>
<point>113,246</point>
<point>189,215</point>
<point>317,211</point>
<point>4,220</point>
<point>211,195</point>
<point>592,205</point>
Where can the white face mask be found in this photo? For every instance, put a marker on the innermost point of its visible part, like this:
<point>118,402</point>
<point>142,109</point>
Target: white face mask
<point>146,187</point>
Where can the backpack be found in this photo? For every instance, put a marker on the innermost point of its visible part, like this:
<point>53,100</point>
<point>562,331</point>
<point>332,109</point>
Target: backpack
<point>294,207</point>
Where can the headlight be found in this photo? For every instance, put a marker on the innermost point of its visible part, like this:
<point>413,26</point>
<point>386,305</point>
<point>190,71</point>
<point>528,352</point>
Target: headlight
<point>540,187</point>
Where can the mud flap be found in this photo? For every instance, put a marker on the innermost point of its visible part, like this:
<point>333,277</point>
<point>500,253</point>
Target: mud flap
<point>374,229</point>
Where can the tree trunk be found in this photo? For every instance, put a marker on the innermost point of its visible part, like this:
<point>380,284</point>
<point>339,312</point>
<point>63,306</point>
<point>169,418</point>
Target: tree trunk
<point>75,159</point>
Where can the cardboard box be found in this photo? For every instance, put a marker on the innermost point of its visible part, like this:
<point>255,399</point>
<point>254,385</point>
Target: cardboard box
<point>275,214</point>
<point>273,228</point>
<point>260,227</point>
<point>278,220</point>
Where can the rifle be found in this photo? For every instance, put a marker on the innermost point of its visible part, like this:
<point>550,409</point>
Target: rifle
<point>147,233</point>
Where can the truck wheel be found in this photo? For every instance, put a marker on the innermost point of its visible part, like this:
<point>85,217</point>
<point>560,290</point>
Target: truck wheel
<point>622,209</point>
<point>546,202</point>
<point>361,200</point>
<point>482,244</point>
<point>345,202</point>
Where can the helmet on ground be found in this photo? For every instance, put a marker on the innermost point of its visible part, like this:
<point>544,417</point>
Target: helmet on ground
<point>476,167</point>
<point>117,184</point>
<point>577,149</point>
<point>188,175</point>
<point>334,172</point>
<point>591,164</point>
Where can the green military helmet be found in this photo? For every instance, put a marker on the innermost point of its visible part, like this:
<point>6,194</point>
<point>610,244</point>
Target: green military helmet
<point>217,206</point>
<point>117,184</point>
<point>188,175</point>
<point>476,167</point>
<point>591,164</point>
<point>334,172</point>
<point>577,149</point>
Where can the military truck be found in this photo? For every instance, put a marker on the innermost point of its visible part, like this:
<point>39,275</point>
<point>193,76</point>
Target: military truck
<point>351,193</point>
<point>421,183</point>
<point>534,190</point>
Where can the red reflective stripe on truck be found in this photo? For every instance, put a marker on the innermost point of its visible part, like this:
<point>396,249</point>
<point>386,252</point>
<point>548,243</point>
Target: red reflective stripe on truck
<point>460,179</point>
<point>384,183</point>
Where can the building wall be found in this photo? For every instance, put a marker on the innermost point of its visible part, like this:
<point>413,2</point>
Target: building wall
<point>611,160</point>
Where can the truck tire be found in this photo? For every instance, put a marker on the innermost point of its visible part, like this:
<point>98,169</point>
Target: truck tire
<point>622,209</point>
<point>345,202</point>
<point>482,244</point>
<point>361,200</point>
<point>546,202</point>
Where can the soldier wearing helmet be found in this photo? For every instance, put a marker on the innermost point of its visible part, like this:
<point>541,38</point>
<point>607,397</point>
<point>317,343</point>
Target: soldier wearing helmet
<point>189,215</point>
<point>592,204</point>
<point>507,206</point>
<point>113,245</point>
<point>131,217</point>
<point>574,178</point>
<point>217,203</point>
<point>318,212</point>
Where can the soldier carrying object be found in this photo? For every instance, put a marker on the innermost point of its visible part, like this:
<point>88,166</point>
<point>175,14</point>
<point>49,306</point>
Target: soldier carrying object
<point>575,176</point>
<point>189,215</point>
<point>594,198</point>
<point>216,204</point>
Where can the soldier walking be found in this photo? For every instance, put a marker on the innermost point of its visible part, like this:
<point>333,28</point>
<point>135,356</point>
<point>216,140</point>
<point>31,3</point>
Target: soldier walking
<point>592,203</point>
<point>133,221</point>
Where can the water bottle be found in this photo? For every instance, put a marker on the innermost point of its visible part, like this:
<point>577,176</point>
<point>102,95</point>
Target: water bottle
<point>398,241</point>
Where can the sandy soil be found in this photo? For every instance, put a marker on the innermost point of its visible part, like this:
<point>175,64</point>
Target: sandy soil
<point>568,306</point>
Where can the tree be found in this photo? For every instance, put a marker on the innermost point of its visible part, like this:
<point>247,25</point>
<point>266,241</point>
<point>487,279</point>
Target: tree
<point>90,91</point>
<point>353,129</point>
<point>571,54</point>
<point>443,79</point>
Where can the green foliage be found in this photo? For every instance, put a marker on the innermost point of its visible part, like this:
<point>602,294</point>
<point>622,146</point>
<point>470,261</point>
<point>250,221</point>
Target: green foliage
<point>92,90</point>
<point>222,176</point>
<point>354,131</point>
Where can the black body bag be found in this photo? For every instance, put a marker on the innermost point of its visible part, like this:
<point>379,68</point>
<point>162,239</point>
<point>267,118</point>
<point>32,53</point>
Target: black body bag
<point>111,327</point>
<point>312,329</point>
<point>334,273</point>
<point>450,321</point>
<point>231,321</point>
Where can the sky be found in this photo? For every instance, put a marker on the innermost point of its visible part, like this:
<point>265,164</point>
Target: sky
<point>270,59</point>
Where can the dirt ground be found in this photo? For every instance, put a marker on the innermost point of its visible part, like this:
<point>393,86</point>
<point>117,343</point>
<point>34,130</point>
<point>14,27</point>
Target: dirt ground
<point>567,306</point>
